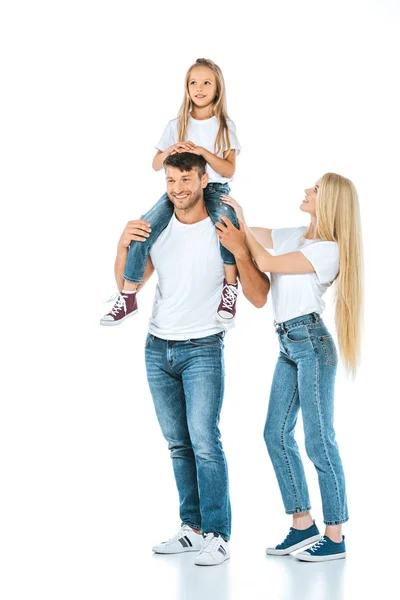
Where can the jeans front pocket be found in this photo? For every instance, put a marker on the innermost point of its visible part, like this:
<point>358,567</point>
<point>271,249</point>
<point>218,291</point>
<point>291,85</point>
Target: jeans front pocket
<point>149,339</point>
<point>211,340</point>
<point>298,334</point>
<point>329,348</point>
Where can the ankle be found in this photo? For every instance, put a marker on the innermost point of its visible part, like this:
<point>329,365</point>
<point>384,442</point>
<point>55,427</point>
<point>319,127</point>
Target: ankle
<point>302,521</point>
<point>129,286</point>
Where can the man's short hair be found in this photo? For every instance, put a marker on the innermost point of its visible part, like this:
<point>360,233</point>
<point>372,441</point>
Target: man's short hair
<point>186,161</point>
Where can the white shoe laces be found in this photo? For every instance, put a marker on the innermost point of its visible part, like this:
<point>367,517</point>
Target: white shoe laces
<point>318,545</point>
<point>229,294</point>
<point>211,543</point>
<point>184,530</point>
<point>120,303</point>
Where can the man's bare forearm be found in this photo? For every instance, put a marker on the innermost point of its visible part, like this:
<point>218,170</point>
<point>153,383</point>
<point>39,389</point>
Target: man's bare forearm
<point>255,283</point>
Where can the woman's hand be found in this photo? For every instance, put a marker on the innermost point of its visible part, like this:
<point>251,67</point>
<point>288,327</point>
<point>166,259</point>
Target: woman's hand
<point>235,205</point>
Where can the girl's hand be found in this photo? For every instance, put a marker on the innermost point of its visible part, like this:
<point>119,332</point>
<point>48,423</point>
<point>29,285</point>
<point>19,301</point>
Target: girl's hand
<point>180,147</point>
<point>235,205</point>
<point>197,150</point>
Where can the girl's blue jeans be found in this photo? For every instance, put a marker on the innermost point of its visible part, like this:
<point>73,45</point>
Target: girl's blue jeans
<point>304,379</point>
<point>160,215</point>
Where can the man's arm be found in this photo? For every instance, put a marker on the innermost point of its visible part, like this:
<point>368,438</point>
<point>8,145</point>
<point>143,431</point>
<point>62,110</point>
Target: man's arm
<point>255,284</point>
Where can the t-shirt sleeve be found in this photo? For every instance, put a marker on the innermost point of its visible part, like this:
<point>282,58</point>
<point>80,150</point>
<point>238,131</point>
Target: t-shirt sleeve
<point>169,137</point>
<point>324,257</point>
<point>280,236</point>
<point>233,137</point>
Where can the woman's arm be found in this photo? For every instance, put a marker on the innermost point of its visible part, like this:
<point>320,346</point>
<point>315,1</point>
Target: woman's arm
<point>293,262</point>
<point>263,236</point>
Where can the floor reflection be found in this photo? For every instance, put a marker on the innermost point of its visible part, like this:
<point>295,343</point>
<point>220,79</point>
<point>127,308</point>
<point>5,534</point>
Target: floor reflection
<point>309,581</point>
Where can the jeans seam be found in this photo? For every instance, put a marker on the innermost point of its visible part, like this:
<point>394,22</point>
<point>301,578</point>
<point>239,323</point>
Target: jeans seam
<point>322,433</point>
<point>337,522</point>
<point>284,449</point>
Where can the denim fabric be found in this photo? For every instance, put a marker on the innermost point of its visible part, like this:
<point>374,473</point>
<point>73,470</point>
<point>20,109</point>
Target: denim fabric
<point>160,215</point>
<point>186,380</point>
<point>304,378</point>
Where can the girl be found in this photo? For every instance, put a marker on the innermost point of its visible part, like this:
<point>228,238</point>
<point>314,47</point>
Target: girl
<point>202,119</point>
<point>307,261</point>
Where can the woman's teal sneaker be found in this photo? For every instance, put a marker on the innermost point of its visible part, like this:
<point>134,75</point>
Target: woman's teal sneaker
<point>325,549</point>
<point>296,539</point>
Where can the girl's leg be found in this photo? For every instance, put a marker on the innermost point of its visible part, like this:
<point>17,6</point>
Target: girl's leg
<point>125,302</point>
<point>216,208</point>
<point>138,253</point>
<point>212,198</point>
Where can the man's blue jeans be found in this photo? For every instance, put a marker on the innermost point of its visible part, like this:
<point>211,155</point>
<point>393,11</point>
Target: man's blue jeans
<point>160,215</point>
<point>186,380</point>
<point>304,379</point>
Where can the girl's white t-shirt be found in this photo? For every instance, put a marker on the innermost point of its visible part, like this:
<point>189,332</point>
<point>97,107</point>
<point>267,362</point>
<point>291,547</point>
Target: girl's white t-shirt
<point>202,133</point>
<point>294,295</point>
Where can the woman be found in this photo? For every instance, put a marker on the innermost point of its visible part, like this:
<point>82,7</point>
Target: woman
<point>307,261</point>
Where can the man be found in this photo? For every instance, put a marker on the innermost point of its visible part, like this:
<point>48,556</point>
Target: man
<point>184,353</point>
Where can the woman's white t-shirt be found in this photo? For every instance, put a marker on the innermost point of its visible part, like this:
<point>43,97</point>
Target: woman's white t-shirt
<point>294,295</point>
<point>202,133</point>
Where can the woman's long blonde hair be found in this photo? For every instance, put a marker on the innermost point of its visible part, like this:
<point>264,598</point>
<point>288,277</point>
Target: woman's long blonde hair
<point>338,220</point>
<point>222,141</point>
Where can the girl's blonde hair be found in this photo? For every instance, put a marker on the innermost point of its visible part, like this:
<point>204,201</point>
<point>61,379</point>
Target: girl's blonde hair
<point>222,141</point>
<point>338,220</point>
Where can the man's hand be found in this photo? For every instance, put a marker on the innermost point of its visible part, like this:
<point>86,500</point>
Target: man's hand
<point>231,238</point>
<point>137,231</point>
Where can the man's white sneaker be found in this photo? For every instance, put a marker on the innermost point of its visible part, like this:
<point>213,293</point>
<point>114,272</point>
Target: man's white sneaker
<point>214,551</point>
<point>186,540</point>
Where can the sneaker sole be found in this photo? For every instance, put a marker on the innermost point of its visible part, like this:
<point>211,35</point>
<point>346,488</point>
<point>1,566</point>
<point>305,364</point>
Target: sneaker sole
<point>223,320</point>
<point>162,551</point>
<point>310,558</point>
<point>205,564</point>
<point>290,549</point>
<point>114,323</point>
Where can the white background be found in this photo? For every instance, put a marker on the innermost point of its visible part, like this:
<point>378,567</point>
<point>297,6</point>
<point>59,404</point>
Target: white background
<point>87,89</point>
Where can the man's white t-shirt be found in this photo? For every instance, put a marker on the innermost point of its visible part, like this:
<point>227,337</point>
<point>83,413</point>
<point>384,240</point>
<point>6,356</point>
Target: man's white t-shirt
<point>294,295</point>
<point>202,133</point>
<point>190,278</point>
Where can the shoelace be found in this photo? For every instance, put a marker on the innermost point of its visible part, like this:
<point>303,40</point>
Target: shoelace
<point>318,545</point>
<point>181,533</point>
<point>289,535</point>
<point>120,303</point>
<point>211,543</point>
<point>229,294</point>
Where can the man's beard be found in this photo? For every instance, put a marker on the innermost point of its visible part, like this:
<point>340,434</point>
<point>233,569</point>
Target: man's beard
<point>195,199</point>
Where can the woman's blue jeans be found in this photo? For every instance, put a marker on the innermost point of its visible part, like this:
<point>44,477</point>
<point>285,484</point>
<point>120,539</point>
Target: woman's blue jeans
<point>304,379</point>
<point>186,380</point>
<point>160,215</point>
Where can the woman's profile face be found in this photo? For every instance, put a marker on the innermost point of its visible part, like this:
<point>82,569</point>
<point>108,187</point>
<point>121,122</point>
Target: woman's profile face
<point>309,203</point>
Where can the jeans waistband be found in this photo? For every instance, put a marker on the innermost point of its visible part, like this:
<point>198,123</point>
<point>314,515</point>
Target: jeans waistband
<point>303,320</point>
